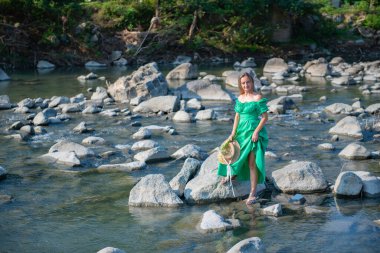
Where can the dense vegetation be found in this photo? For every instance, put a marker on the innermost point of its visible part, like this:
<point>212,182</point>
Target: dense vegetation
<point>229,26</point>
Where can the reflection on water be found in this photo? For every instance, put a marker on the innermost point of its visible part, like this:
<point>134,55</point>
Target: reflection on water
<point>81,210</point>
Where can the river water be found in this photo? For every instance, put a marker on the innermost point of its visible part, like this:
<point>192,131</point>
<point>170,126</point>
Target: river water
<point>81,210</point>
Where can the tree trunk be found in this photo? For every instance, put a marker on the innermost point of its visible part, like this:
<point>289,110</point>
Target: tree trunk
<point>193,25</point>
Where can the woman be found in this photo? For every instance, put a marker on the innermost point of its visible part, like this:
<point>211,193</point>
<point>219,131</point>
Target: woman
<point>249,131</point>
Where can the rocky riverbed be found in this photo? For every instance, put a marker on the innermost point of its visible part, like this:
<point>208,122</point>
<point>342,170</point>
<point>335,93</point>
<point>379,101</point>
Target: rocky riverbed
<point>146,142</point>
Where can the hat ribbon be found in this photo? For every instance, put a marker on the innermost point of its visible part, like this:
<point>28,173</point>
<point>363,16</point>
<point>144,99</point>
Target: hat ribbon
<point>229,174</point>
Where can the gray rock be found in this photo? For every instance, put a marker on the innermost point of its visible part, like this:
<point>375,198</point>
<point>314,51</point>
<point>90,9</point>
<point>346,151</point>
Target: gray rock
<point>182,59</point>
<point>94,64</point>
<point>45,65</point>
<point>348,126</point>
<point>300,177</point>
<point>189,169</point>
<point>326,146</point>
<point>373,109</point>
<point>213,222</point>
<point>122,167</point>
<point>144,145</point>
<point>153,191</point>
<point>91,109</point>
<point>68,146</point>
<point>82,128</point>
<point>348,184</point>
<point>99,94</point>
<point>207,114</point>
<point>27,102</point>
<point>337,108</point>
<point>273,210</point>
<point>182,116</point>
<point>250,245</point>
<point>183,71</point>
<point>371,184</point>
<point>275,65</point>
<point>165,104</point>
<point>354,151</point>
<point>203,90</point>
<point>93,140</point>
<point>145,82</point>
<point>152,155</point>
<point>111,250</point>
<point>67,158</point>
<point>190,150</point>
<point>16,126</point>
<point>58,101</point>
<point>71,108</point>
<point>4,76</point>
<point>5,102</point>
<point>142,133</point>
<point>205,187</point>
<point>42,118</point>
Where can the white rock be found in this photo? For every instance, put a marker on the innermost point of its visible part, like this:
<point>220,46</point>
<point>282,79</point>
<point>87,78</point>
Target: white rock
<point>111,250</point>
<point>207,114</point>
<point>4,76</point>
<point>213,222</point>
<point>349,126</point>
<point>182,116</point>
<point>144,145</point>
<point>250,245</point>
<point>93,140</point>
<point>45,65</point>
<point>273,210</point>
<point>371,184</point>
<point>152,155</point>
<point>189,169</point>
<point>355,151</point>
<point>326,146</point>
<point>153,190</point>
<point>348,184</point>
<point>123,167</point>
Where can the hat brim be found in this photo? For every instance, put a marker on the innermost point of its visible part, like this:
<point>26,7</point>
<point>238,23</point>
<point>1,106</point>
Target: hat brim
<point>234,145</point>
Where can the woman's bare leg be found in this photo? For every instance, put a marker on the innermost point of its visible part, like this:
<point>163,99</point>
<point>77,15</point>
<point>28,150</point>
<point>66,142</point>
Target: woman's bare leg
<point>253,177</point>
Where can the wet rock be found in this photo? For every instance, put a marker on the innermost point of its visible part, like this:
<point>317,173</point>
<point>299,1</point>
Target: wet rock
<point>348,184</point>
<point>99,94</point>
<point>274,210</point>
<point>213,222</point>
<point>183,71</point>
<point>203,90</point>
<point>93,140</point>
<point>189,169</point>
<point>27,102</point>
<point>338,108</point>
<point>58,101</point>
<point>275,65</point>
<point>153,191</point>
<point>91,109</point>
<point>270,155</point>
<point>326,146</point>
<point>66,158</point>
<point>94,64</point>
<point>373,109</point>
<point>111,250</point>
<point>137,100</point>
<point>42,118</point>
<point>371,184</point>
<point>314,210</point>
<point>121,62</point>
<point>207,114</point>
<point>144,145</point>
<point>70,108</point>
<point>145,82</point>
<point>5,102</point>
<point>82,128</point>
<point>28,130</point>
<point>251,245</point>
<point>182,59</point>
<point>354,151</point>
<point>142,133</point>
<point>152,155</point>
<point>3,172</point>
<point>45,65</point>
<point>300,177</point>
<point>205,187</point>
<point>190,150</point>
<point>3,77</point>
<point>122,167</point>
<point>165,104</point>
<point>16,126</point>
<point>182,116</point>
<point>69,146</point>
<point>348,126</point>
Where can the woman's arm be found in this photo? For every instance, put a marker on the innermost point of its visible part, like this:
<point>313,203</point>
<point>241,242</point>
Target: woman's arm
<point>236,122</point>
<point>264,119</point>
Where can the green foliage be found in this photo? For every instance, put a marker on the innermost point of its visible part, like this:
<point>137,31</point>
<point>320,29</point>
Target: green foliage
<point>372,21</point>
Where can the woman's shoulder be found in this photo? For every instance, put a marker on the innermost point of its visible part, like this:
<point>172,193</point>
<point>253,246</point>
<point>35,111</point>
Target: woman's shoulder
<point>257,97</point>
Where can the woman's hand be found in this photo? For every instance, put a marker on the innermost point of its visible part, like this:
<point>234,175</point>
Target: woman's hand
<point>255,136</point>
<point>231,137</point>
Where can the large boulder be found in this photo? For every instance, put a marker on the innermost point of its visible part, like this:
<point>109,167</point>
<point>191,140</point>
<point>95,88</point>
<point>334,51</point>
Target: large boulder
<point>275,65</point>
<point>300,177</point>
<point>355,151</point>
<point>348,126</point>
<point>348,184</point>
<point>183,71</point>
<point>145,82</point>
<point>153,191</point>
<point>5,102</point>
<point>203,90</point>
<point>205,187</point>
<point>213,222</point>
<point>232,77</point>
<point>371,184</point>
<point>250,245</point>
<point>281,104</point>
<point>69,146</point>
<point>374,108</point>
<point>189,169</point>
<point>165,104</point>
<point>3,76</point>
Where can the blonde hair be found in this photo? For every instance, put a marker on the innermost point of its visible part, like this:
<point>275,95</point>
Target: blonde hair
<point>250,78</point>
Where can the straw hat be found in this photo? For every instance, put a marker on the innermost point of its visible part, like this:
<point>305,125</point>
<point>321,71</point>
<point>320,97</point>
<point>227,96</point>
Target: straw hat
<point>229,152</point>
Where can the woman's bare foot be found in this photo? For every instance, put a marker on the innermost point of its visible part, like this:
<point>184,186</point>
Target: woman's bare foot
<point>225,180</point>
<point>251,199</point>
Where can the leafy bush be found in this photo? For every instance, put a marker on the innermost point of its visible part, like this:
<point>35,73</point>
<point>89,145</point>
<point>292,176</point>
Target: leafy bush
<point>372,21</point>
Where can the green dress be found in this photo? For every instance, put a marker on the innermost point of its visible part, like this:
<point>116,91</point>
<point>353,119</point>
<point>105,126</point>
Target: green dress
<point>249,119</point>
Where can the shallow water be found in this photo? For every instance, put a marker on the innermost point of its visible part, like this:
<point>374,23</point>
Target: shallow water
<point>81,210</point>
